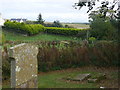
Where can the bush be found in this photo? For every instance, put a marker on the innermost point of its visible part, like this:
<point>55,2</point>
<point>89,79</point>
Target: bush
<point>66,31</point>
<point>32,29</point>
<point>103,29</point>
<point>29,29</point>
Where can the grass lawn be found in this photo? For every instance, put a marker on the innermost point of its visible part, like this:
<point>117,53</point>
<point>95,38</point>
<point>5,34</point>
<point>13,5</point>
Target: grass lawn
<point>40,37</point>
<point>54,79</point>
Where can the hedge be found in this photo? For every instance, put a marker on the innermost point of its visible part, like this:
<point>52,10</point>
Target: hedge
<point>32,29</point>
<point>29,29</point>
<point>66,31</point>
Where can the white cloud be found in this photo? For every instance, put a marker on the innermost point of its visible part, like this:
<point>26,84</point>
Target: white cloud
<point>50,9</point>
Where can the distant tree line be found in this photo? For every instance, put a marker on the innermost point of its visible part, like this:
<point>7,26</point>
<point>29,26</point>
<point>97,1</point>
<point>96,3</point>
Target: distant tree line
<point>55,23</point>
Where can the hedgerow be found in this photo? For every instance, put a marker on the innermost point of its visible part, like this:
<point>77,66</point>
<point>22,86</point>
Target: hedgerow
<point>66,31</point>
<point>32,29</point>
<point>29,29</point>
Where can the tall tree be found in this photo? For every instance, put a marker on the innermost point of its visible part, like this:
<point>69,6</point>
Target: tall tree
<point>106,15</point>
<point>40,20</point>
<point>104,4</point>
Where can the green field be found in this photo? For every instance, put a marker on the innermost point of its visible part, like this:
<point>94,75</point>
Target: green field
<point>76,25</point>
<point>11,36</point>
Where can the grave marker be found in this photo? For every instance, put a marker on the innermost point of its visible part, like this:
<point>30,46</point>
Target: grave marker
<point>24,66</point>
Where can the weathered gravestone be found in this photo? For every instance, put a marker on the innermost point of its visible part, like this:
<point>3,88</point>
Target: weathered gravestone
<point>23,66</point>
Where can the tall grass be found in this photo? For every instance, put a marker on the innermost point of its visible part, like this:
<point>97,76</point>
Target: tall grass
<point>52,57</point>
<point>56,55</point>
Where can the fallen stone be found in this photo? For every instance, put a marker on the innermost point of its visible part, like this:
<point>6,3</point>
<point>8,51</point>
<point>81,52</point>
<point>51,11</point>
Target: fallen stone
<point>92,80</point>
<point>81,77</point>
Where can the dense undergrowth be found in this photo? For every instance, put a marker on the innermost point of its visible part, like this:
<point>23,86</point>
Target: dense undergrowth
<point>57,55</point>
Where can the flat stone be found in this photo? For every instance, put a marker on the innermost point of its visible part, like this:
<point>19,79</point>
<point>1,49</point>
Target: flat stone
<point>92,80</point>
<point>81,77</point>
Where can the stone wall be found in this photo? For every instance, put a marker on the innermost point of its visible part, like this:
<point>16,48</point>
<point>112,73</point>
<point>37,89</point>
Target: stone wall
<point>24,66</point>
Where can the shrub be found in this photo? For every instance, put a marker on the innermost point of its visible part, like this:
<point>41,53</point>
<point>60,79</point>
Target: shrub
<point>66,31</point>
<point>30,29</point>
<point>103,29</point>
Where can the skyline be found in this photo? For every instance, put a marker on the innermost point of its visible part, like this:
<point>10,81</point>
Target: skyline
<point>50,10</point>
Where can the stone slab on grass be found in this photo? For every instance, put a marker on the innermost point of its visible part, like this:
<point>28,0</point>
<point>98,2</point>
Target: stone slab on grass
<point>92,80</point>
<point>80,77</point>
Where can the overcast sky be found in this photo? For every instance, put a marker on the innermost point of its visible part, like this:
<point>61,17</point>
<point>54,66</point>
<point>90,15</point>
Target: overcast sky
<point>51,10</point>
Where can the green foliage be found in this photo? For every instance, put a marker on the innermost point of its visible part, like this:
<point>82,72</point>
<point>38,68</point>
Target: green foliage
<point>54,24</point>
<point>31,22</point>
<point>40,20</point>
<point>52,56</point>
<point>12,36</point>
<point>57,24</point>
<point>29,29</point>
<point>101,28</point>
<point>32,29</point>
<point>91,41</point>
<point>66,31</point>
<point>2,37</point>
<point>92,38</point>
